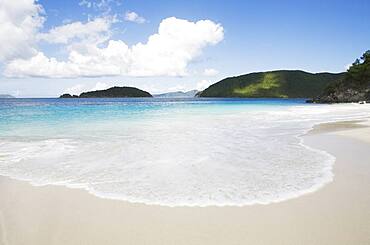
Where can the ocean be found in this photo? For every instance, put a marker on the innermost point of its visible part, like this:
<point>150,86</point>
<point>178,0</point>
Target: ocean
<point>171,152</point>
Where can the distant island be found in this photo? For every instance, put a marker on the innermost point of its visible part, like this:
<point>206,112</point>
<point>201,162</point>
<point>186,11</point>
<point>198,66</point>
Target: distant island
<point>273,84</point>
<point>353,87</point>
<point>6,96</point>
<point>114,92</point>
<point>350,86</point>
<point>68,96</point>
<point>178,94</point>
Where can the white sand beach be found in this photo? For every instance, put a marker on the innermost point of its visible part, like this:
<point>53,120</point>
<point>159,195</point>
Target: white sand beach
<point>338,213</point>
<point>184,122</point>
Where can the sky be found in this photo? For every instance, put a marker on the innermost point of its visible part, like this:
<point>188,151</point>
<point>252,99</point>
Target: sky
<point>50,47</point>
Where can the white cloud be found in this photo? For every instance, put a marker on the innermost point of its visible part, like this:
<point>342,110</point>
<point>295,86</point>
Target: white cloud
<point>99,5</point>
<point>19,22</point>
<point>203,84</point>
<point>177,43</point>
<point>85,3</point>
<point>166,53</point>
<point>134,17</point>
<point>100,86</point>
<point>94,30</point>
<point>75,90</point>
<point>209,72</point>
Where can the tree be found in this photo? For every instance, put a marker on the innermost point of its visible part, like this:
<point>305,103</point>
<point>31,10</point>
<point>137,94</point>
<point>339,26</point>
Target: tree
<point>358,75</point>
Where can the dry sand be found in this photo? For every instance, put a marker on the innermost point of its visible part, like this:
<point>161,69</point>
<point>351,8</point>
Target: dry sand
<point>338,213</point>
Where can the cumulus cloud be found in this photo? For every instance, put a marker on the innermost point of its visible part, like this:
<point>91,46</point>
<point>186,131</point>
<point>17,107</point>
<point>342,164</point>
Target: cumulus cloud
<point>95,29</point>
<point>209,72</point>
<point>134,17</point>
<point>19,22</point>
<point>203,84</point>
<point>166,53</point>
<point>177,42</point>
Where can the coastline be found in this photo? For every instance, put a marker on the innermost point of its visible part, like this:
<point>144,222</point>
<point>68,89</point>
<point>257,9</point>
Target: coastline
<point>337,213</point>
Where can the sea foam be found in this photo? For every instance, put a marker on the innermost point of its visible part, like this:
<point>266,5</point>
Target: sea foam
<point>186,155</point>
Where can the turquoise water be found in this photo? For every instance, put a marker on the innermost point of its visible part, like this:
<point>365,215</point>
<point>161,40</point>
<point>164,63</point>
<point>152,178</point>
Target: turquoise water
<point>40,117</point>
<point>17,113</point>
<point>174,152</point>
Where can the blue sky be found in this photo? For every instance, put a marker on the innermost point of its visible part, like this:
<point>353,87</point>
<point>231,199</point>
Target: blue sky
<point>256,36</point>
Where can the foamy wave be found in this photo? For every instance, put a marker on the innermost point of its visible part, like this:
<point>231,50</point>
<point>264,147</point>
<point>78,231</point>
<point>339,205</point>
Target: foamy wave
<point>224,158</point>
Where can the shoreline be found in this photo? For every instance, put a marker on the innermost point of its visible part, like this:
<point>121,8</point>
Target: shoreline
<point>319,128</point>
<point>341,208</point>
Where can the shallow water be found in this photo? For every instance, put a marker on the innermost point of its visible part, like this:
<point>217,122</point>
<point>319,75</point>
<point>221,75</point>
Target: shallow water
<point>174,152</point>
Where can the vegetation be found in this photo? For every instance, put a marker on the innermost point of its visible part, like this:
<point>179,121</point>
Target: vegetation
<point>354,87</point>
<point>115,92</point>
<point>68,96</point>
<point>273,84</point>
<point>358,75</point>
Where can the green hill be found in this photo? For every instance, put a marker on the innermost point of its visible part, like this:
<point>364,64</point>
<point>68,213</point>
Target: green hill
<point>354,87</point>
<point>114,92</point>
<point>272,84</point>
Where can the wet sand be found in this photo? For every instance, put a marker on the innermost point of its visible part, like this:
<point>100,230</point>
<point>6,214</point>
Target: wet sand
<point>338,213</point>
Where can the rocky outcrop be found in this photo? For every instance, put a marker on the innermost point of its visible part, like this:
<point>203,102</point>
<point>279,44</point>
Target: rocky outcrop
<point>346,95</point>
<point>355,86</point>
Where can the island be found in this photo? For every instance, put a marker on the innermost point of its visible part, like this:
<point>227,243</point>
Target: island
<point>354,87</point>
<point>178,94</point>
<point>6,96</point>
<point>350,86</point>
<point>273,84</point>
<point>114,92</point>
<point>68,96</point>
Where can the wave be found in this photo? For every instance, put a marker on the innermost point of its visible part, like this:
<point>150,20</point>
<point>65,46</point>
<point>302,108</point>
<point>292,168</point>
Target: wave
<point>228,157</point>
